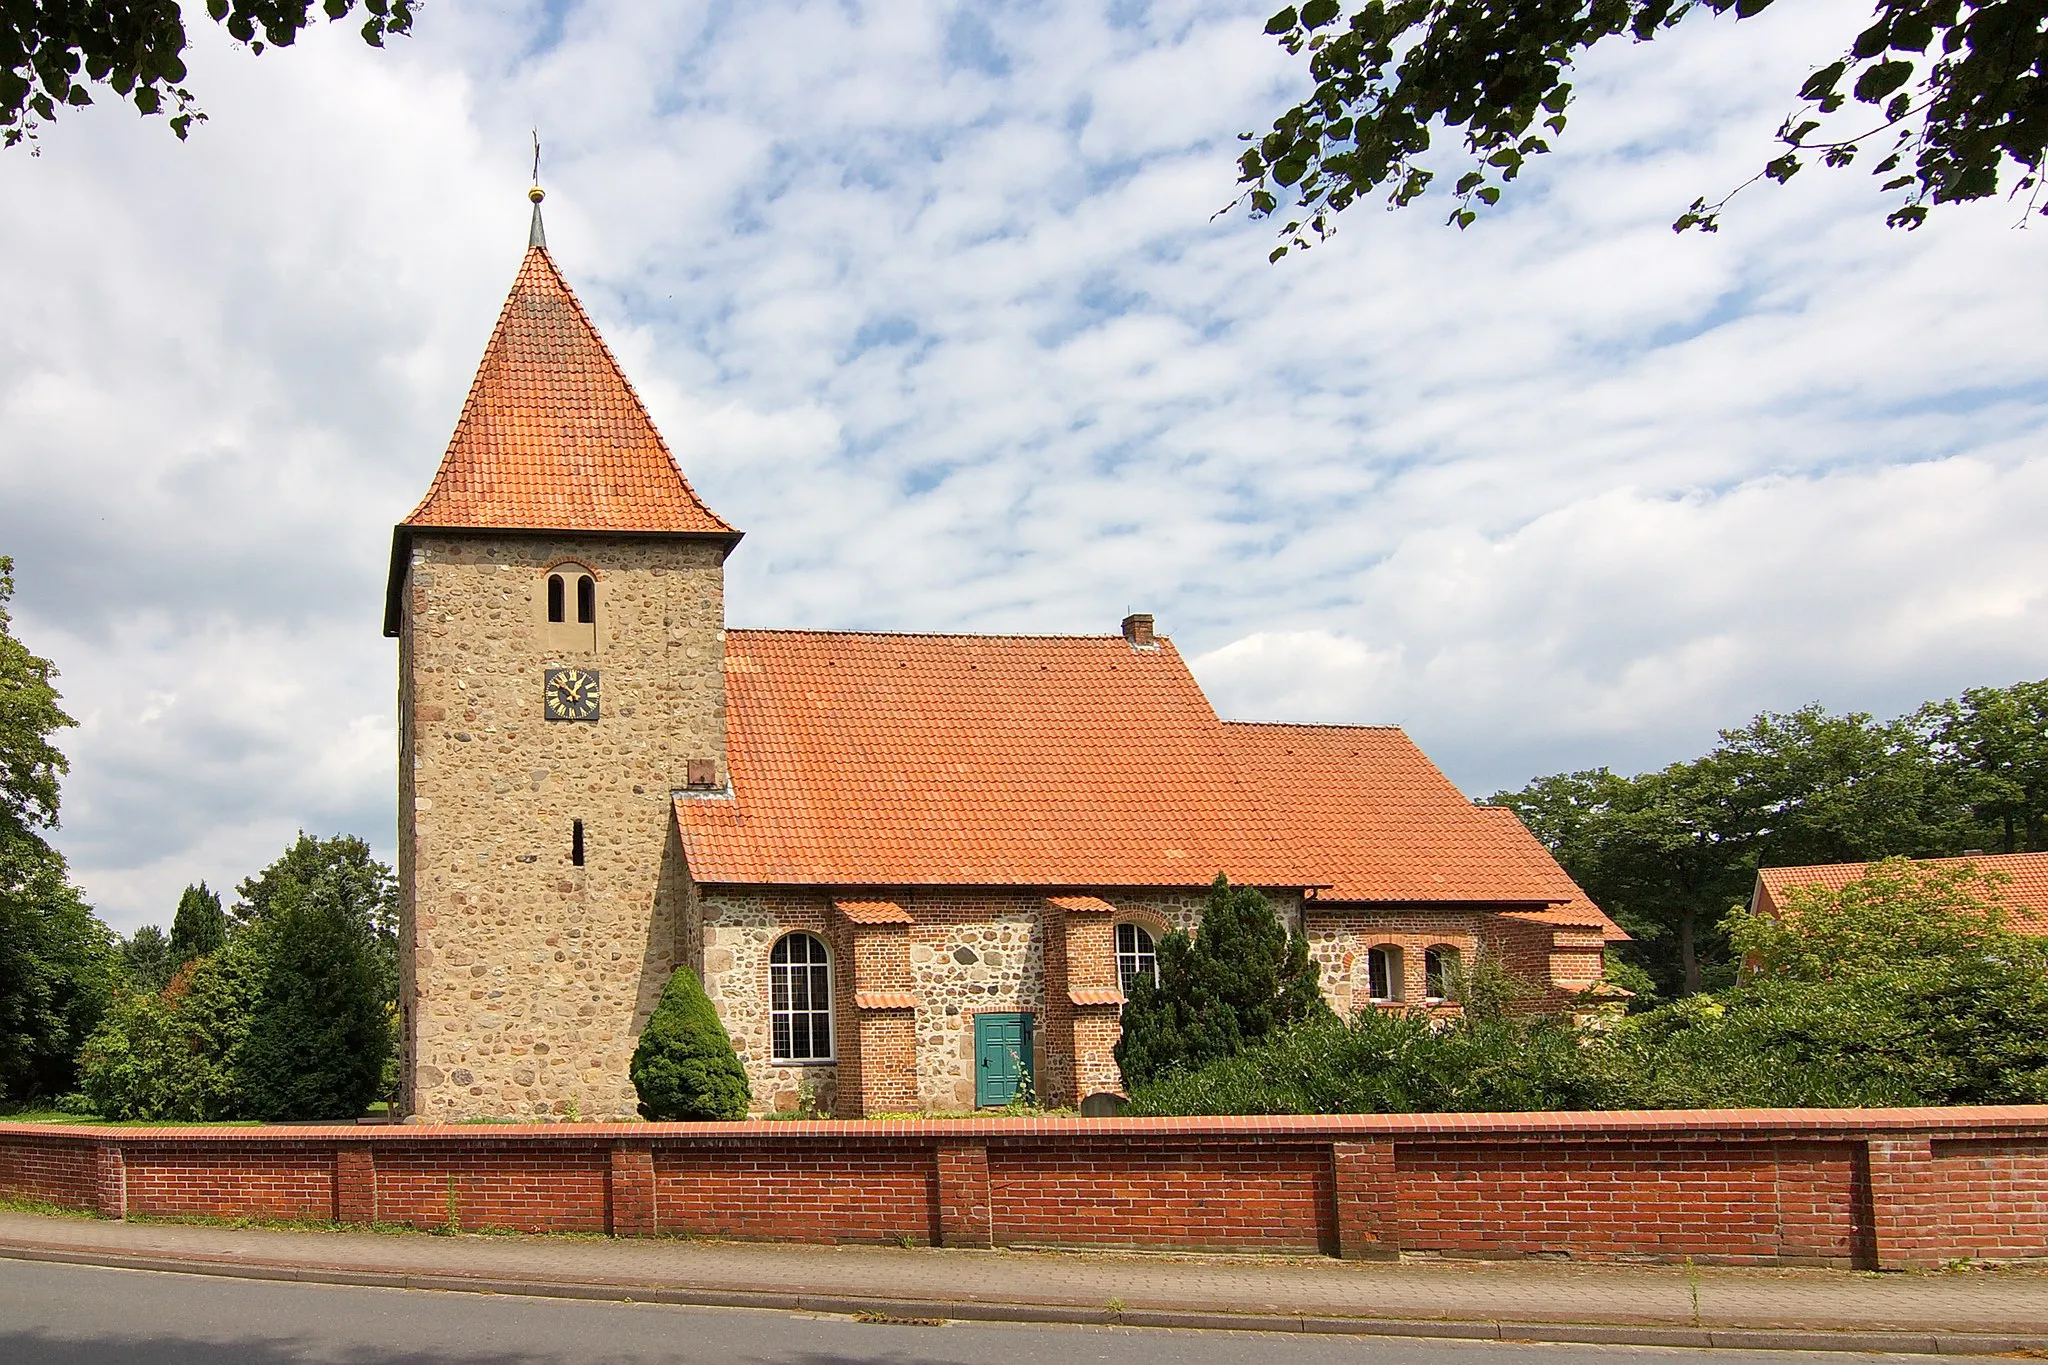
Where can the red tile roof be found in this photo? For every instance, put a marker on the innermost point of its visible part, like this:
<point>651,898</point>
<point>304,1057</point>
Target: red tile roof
<point>1077,761</point>
<point>2024,887</point>
<point>1084,905</point>
<point>891,760</point>
<point>552,436</point>
<point>1380,822</point>
<point>873,912</point>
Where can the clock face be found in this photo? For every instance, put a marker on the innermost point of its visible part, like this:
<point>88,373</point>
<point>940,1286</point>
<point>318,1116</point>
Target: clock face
<point>570,694</point>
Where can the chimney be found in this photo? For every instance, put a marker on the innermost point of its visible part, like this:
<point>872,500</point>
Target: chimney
<point>1138,630</point>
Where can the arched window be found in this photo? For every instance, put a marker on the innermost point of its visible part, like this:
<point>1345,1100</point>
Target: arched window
<point>1135,956</point>
<point>586,600</point>
<point>800,1000</point>
<point>556,601</point>
<point>1440,972</point>
<point>1383,972</point>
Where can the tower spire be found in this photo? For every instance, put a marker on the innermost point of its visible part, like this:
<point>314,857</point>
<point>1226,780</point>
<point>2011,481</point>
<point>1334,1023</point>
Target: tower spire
<point>536,236</point>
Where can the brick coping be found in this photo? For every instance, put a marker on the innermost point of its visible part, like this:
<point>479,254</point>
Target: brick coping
<point>2006,1121</point>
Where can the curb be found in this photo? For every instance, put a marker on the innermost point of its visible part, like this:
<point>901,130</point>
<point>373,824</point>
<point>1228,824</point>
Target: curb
<point>963,1310</point>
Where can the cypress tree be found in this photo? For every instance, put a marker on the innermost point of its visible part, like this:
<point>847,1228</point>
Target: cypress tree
<point>1240,980</point>
<point>200,926</point>
<point>685,1067</point>
<point>319,1032</point>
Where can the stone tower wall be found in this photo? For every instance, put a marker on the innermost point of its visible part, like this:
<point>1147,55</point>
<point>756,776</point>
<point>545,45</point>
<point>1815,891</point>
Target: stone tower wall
<point>525,980</point>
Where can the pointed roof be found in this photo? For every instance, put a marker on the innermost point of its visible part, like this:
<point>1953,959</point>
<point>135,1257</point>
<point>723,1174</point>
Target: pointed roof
<point>552,436</point>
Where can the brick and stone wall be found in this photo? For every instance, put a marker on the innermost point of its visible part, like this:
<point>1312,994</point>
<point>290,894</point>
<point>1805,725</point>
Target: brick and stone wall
<point>525,980</point>
<point>966,952</point>
<point>1886,1189</point>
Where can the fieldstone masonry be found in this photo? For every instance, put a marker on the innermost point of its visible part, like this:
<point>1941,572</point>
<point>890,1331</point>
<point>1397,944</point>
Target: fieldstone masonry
<point>525,980</point>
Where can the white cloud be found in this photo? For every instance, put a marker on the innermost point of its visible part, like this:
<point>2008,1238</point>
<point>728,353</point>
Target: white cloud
<point>928,300</point>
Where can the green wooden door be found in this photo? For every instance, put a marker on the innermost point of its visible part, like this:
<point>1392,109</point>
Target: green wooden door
<point>1002,1057</point>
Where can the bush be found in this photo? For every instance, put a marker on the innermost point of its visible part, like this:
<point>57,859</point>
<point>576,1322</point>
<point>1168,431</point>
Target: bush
<point>174,1055</point>
<point>60,968</point>
<point>319,1032</point>
<point>1240,980</point>
<point>685,1068</point>
<point>1396,1063</point>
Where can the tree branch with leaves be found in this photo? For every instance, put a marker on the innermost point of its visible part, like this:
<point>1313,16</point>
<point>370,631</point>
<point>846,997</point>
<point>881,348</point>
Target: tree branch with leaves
<point>1961,87</point>
<point>52,52</point>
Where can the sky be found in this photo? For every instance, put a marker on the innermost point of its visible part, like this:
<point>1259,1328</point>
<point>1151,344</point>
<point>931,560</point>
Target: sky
<point>933,301</point>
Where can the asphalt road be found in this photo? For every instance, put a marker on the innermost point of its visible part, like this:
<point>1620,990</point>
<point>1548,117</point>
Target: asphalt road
<point>60,1314</point>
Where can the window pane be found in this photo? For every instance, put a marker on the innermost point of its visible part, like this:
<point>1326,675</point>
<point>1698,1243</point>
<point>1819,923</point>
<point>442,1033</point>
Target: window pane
<point>780,1030</point>
<point>778,989</point>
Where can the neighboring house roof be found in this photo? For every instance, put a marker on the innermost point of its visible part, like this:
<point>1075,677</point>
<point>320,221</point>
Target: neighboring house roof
<point>1045,761</point>
<point>1380,822</point>
<point>552,436</point>
<point>2024,888</point>
<point>1078,761</point>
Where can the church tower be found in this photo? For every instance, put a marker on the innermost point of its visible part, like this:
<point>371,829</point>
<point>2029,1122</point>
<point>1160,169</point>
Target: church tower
<point>558,600</point>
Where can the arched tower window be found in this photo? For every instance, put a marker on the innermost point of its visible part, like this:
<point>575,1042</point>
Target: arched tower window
<point>565,605</point>
<point>800,1000</point>
<point>1136,956</point>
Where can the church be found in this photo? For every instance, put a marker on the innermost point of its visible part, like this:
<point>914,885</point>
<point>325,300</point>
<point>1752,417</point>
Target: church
<point>915,872</point>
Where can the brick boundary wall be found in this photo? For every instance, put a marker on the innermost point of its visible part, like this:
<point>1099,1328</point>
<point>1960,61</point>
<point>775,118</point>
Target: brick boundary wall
<point>1874,1189</point>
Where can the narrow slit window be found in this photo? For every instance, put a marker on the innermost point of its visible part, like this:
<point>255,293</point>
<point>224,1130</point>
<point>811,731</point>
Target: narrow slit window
<point>555,599</point>
<point>576,843</point>
<point>586,600</point>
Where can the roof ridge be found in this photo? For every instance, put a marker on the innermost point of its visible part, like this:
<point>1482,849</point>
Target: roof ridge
<point>1318,725</point>
<point>921,634</point>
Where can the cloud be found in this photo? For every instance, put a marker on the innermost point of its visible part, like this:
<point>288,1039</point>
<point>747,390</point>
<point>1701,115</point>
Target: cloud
<point>930,301</point>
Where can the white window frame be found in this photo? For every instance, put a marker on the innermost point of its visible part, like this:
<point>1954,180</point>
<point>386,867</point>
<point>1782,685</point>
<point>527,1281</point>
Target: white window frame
<point>1391,967</point>
<point>786,980</point>
<point>1137,957</point>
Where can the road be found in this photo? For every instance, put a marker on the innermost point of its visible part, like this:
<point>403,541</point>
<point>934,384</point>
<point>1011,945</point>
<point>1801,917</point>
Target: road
<point>84,1315</point>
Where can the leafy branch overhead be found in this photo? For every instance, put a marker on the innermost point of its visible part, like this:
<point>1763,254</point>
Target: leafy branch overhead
<point>1949,99</point>
<point>52,51</point>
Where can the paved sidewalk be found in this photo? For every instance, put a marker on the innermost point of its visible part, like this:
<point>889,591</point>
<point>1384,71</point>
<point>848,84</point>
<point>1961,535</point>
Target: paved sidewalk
<point>1961,1311</point>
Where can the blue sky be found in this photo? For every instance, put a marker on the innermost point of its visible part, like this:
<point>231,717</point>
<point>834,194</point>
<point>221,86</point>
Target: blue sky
<point>929,299</point>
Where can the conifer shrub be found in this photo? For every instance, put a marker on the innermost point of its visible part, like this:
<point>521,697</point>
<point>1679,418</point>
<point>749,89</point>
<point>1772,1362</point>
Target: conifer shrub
<point>1240,980</point>
<point>319,1031</point>
<point>199,927</point>
<point>685,1068</point>
<point>174,1054</point>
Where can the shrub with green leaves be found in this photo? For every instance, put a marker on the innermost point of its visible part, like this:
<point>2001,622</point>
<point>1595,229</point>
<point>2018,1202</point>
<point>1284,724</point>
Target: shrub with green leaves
<point>175,1055</point>
<point>1238,981</point>
<point>684,1067</point>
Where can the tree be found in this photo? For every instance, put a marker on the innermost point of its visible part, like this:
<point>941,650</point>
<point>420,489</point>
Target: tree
<point>370,889</point>
<point>1953,93</point>
<point>684,1066</point>
<point>59,970</point>
<point>52,51</point>
<point>30,764</point>
<point>1667,853</point>
<point>1993,742</point>
<point>1240,980</point>
<point>199,927</point>
<point>147,956</point>
<point>58,964</point>
<point>319,1031</point>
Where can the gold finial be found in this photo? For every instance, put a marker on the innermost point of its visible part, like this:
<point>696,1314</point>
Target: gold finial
<point>536,194</point>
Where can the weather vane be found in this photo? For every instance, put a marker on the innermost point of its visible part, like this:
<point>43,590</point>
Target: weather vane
<point>536,194</point>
